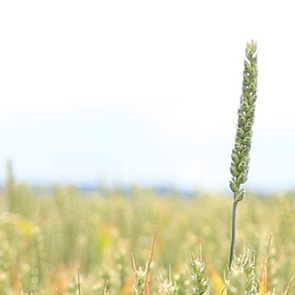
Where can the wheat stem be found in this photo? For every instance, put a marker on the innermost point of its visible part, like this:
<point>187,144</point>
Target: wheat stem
<point>233,234</point>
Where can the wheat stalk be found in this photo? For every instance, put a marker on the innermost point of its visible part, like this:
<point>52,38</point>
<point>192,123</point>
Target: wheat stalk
<point>240,154</point>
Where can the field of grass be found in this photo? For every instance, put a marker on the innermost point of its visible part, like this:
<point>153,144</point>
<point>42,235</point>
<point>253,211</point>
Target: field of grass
<point>61,241</point>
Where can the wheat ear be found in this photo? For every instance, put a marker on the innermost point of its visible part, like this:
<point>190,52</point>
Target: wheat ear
<point>240,155</point>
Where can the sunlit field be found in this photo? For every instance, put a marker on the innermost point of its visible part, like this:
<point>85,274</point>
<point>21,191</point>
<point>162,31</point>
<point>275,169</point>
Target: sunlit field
<point>63,241</point>
<point>138,241</point>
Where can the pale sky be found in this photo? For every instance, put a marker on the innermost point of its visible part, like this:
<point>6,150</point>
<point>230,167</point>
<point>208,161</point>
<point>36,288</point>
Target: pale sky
<point>144,92</point>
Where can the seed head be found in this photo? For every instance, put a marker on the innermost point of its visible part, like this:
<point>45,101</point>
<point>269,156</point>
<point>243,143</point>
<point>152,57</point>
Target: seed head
<point>240,155</point>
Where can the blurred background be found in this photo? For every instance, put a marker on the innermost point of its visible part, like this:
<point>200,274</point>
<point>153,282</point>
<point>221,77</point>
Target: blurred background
<point>146,92</point>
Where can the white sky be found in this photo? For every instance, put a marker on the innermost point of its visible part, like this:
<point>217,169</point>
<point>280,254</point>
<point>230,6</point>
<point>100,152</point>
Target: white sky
<point>144,91</point>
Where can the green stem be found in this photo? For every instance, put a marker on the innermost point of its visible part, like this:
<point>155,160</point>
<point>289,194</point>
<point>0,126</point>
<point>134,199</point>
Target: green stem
<point>233,234</point>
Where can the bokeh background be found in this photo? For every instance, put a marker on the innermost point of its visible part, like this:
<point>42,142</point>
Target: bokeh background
<point>146,92</point>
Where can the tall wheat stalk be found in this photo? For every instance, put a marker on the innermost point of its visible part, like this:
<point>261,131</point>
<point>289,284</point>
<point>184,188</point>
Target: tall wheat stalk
<point>240,155</point>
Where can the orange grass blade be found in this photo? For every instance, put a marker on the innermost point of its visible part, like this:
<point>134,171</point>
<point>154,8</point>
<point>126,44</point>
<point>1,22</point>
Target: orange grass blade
<point>217,281</point>
<point>126,290</point>
<point>263,285</point>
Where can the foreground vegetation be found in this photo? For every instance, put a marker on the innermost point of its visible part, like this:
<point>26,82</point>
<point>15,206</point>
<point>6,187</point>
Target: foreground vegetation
<point>50,239</point>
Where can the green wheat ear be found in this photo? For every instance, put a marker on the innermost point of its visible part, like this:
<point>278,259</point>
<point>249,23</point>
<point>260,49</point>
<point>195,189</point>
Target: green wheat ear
<point>240,155</point>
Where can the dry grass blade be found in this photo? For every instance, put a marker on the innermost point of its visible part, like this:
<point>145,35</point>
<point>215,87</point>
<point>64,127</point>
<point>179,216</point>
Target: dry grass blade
<point>21,291</point>
<point>147,285</point>
<point>79,282</point>
<point>105,290</point>
<point>223,290</point>
<point>289,285</point>
<point>218,284</point>
<point>263,286</point>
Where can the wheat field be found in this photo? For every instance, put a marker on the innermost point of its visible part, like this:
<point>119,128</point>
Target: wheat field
<point>63,241</point>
